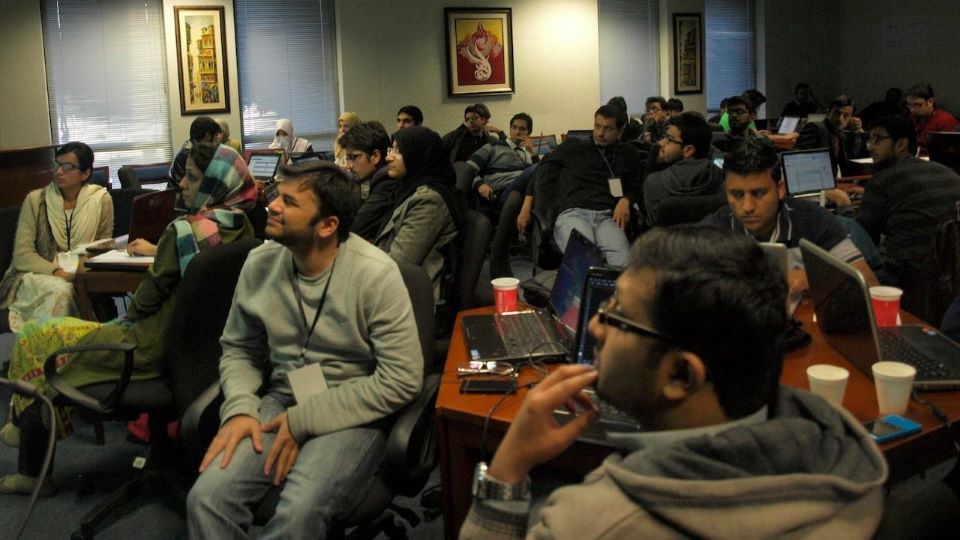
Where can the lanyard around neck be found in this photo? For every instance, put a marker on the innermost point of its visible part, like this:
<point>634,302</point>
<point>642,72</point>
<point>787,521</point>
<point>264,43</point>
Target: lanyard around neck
<point>605,162</point>
<point>303,314</point>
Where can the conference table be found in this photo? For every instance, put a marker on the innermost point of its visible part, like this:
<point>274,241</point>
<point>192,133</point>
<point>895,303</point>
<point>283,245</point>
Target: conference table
<point>106,279</point>
<point>461,419</point>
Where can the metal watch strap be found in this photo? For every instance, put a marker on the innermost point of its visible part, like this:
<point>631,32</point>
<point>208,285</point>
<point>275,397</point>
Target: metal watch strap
<point>485,487</point>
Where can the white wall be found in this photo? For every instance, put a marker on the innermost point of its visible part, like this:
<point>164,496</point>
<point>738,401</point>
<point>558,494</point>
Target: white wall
<point>861,48</point>
<point>180,125</point>
<point>691,102</point>
<point>392,54</point>
<point>24,113</point>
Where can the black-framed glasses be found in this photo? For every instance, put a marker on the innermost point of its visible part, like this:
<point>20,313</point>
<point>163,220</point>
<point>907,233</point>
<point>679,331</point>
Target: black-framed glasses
<point>607,316</point>
<point>67,166</point>
<point>876,139</point>
<point>668,138</point>
<point>737,112</point>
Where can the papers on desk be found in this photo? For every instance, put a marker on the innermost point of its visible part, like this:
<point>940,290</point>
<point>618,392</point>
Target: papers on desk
<point>120,256</point>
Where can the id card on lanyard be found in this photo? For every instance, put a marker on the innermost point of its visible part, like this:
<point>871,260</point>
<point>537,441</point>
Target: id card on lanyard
<point>613,181</point>
<point>308,379</point>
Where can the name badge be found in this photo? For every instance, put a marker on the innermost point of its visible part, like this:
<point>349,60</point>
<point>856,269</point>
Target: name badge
<point>307,381</point>
<point>616,188</point>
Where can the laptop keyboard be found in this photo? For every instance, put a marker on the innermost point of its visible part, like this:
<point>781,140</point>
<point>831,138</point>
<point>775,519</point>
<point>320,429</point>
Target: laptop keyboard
<point>896,348</point>
<point>524,334</point>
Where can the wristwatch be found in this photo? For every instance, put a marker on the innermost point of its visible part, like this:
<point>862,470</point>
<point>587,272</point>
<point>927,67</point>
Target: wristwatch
<point>486,487</point>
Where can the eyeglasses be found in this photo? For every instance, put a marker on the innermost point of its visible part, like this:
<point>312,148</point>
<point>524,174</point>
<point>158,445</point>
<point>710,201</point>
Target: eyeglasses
<point>607,316</point>
<point>669,139</point>
<point>67,166</point>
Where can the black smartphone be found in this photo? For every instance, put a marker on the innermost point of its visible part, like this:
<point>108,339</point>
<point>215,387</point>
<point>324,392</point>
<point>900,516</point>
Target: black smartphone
<point>488,386</point>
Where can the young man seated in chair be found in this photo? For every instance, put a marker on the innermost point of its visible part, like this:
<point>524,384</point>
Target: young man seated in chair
<point>320,320</point>
<point>590,186</point>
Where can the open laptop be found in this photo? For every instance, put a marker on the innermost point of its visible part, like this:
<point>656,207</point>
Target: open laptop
<point>808,172</point>
<point>544,144</point>
<point>150,214</point>
<point>537,334</point>
<point>841,301</point>
<point>263,167</point>
<point>788,124</point>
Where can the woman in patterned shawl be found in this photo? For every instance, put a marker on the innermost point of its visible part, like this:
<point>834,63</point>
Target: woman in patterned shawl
<point>216,189</point>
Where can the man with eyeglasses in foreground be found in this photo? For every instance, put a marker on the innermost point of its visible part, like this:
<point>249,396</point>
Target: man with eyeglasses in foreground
<point>905,199</point>
<point>689,346</point>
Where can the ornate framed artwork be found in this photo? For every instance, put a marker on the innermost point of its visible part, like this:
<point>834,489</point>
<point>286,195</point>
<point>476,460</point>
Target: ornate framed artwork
<point>202,59</point>
<point>687,53</point>
<point>479,51</point>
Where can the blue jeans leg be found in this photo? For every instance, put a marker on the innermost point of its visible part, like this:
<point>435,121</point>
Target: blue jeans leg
<point>331,474</point>
<point>611,240</point>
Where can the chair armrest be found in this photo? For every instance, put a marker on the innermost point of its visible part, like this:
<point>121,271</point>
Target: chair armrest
<point>77,396</point>
<point>412,440</point>
<point>190,423</point>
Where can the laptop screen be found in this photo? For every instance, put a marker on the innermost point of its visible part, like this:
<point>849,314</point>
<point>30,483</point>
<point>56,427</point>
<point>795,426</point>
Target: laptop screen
<point>544,144</point>
<point>842,304</point>
<point>264,166</point>
<point>807,171</point>
<point>600,285</point>
<point>788,124</point>
<point>579,256</point>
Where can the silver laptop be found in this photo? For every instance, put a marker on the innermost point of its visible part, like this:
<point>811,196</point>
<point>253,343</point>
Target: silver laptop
<point>788,124</point>
<point>264,166</point>
<point>808,172</point>
<point>841,301</point>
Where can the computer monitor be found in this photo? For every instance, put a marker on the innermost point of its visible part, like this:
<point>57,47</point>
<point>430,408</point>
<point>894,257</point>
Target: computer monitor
<point>808,171</point>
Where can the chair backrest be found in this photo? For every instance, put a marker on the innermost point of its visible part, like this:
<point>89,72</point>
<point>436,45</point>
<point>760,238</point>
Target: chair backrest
<point>128,177</point>
<point>192,337</point>
<point>420,289</point>
<point>476,238</point>
<point>153,173</point>
<point>688,208</point>
<point>101,176</point>
<point>123,207</point>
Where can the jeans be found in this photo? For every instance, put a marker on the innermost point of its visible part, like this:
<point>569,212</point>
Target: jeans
<point>331,475</point>
<point>598,226</point>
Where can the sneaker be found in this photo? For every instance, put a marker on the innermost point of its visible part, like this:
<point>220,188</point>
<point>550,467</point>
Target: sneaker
<point>18,484</point>
<point>10,435</point>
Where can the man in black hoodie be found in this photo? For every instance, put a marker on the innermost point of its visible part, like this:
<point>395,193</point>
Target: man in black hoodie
<point>684,150</point>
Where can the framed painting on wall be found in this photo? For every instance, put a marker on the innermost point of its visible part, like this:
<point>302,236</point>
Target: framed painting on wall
<point>687,53</point>
<point>479,51</point>
<point>202,59</point>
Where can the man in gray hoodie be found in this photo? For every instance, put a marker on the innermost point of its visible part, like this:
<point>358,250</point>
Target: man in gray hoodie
<point>685,167</point>
<point>688,345</point>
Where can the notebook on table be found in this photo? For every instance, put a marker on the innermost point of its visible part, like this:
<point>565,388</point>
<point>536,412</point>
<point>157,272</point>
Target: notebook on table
<point>841,301</point>
<point>537,334</point>
<point>808,172</point>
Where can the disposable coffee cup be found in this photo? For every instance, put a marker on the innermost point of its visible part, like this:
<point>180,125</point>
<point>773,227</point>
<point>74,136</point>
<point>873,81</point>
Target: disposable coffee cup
<point>828,382</point>
<point>886,304</point>
<point>505,293</point>
<point>894,383</point>
<point>68,262</point>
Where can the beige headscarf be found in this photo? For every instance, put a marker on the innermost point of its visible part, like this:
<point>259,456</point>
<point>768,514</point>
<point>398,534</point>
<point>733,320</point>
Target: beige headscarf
<point>339,154</point>
<point>83,220</point>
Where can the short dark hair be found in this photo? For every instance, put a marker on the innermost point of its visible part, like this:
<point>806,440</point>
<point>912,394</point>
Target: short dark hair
<point>724,102</point>
<point>755,96</point>
<point>203,126</point>
<point>842,100</point>
<point>525,117</point>
<point>202,154</point>
<point>694,130</point>
<point>480,109</point>
<point>801,86</point>
<point>367,137</point>
<point>717,297</point>
<point>414,113</point>
<point>754,155</point>
<point>83,152</point>
<point>619,101</point>
<point>674,104</point>
<point>656,99</point>
<point>336,194</point>
<point>739,100</point>
<point>921,90</point>
<point>898,127</point>
<point>612,111</point>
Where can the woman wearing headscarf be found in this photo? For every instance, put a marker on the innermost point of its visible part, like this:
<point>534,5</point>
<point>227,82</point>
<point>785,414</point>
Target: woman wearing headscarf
<point>345,123</point>
<point>286,139</point>
<point>217,189</point>
<point>425,211</point>
<point>62,216</point>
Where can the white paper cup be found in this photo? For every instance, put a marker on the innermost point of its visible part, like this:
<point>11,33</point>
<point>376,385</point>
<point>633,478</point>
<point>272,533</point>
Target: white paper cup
<point>68,262</point>
<point>894,382</point>
<point>828,382</point>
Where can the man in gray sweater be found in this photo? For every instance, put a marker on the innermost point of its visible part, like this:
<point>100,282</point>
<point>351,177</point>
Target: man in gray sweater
<point>688,345</point>
<point>319,348</point>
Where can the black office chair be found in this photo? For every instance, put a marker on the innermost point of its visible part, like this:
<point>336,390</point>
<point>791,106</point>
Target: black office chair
<point>123,208</point>
<point>191,358</point>
<point>687,209</point>
<point>411,444</point>
<point>128,177</point>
